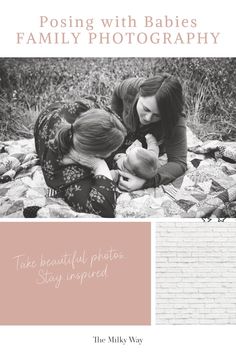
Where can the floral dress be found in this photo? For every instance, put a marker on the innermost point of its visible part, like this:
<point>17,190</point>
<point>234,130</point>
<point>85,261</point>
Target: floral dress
<point>75,183</point>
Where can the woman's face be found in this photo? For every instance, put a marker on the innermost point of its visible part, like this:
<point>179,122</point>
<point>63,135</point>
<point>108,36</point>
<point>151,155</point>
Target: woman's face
<point>105,155</point>
<point>147,109</point>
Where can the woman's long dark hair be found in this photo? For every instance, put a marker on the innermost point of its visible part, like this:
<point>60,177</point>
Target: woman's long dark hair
<point>169,97</point>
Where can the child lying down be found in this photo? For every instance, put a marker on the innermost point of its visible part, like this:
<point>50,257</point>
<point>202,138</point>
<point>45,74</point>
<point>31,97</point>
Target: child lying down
<point>139,161</point>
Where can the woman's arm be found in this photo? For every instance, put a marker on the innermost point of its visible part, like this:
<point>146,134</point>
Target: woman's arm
<point>87,190</point>
<point>101,169</point>
<point>97,165</point>
<point>152,144</point>
<point>95,196</point>
<point>176,150</point>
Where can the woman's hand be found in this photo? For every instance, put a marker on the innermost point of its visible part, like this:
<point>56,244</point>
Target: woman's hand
<point>129,183</point>
<point>83,159</point>
<point>118,156</point>
<point>97,165</point>
<point>89,161</point>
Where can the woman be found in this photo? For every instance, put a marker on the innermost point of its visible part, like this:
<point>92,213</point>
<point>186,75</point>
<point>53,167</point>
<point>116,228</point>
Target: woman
<point>153,106</point>
<point>72,155</point>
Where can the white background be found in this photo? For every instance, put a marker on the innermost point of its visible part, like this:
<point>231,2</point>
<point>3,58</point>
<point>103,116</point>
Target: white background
<point>24,15</point>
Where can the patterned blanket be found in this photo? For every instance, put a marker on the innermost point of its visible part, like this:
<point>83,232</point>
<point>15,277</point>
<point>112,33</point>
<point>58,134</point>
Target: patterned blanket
<point>207,189</point>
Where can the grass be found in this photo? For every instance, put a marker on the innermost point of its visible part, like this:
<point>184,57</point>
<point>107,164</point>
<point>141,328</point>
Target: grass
<point>28,84</point>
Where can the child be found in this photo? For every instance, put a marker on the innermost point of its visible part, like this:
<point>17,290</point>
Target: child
<point>138,161</point>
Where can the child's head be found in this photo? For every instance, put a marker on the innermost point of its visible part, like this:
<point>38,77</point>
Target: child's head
<point>95,132</point>
<point>140,162</point>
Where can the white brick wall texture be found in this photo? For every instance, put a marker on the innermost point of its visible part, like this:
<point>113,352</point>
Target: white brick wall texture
<point>196,272</point>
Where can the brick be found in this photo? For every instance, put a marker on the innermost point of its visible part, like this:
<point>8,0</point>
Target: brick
<point>196,272</point>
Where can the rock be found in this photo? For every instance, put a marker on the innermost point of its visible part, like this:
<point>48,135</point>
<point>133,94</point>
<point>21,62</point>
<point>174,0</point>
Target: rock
<point>31,211</point>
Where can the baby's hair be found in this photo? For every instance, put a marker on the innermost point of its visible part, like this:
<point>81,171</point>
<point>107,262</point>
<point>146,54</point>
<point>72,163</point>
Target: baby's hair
<point>95,132</point>
<point>146,167</point>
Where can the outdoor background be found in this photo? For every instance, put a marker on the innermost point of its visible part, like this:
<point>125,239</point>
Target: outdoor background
<point>28,84</point>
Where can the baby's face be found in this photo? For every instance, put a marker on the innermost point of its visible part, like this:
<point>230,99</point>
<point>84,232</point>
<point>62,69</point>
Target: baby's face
<point>129,160</point>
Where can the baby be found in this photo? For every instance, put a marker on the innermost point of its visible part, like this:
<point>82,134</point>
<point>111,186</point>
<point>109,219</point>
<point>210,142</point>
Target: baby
<point>138,161</point>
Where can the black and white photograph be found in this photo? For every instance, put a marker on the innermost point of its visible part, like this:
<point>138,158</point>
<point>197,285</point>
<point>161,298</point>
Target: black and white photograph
<point>118,137</point>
